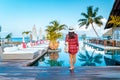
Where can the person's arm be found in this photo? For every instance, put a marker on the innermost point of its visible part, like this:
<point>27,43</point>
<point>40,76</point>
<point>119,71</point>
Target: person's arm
<point>66,39</point>
<point>77,40</point>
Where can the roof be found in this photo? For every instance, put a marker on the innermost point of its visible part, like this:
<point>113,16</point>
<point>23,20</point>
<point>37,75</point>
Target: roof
<point>108,33</point>
<point>115,12</point>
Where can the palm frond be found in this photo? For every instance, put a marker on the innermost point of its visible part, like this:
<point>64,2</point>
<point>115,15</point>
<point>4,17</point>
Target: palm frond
<point>99,17</point>
<point>97,58</point>
<point>98,21</point>
<point>61,27</point>
<point>95,12</point>
<point>85,15</point>
<point>90,11</point>
<point>82,20</point>
<point>82,56</point>
<point>82,24</point>
<point>87,54</point>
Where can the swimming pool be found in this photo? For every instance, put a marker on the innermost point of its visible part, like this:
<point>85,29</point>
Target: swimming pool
<point>86,56</point>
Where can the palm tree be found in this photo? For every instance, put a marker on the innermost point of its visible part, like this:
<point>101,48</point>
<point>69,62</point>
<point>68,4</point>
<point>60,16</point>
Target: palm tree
<point>8,37</point>
<point>26,32</point>
<point>90,18</point>
<point>53,33</point>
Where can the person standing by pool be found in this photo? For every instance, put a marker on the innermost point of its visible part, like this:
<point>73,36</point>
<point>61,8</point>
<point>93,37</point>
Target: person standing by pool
<point>73,46</point>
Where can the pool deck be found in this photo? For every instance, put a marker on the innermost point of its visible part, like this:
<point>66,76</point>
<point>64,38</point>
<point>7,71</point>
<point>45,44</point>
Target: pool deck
<point>59,73</point>
<point>102,47</point>
<point>19,70</point>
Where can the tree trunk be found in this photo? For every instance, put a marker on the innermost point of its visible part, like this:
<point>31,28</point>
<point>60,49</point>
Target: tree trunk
<point>95,31</point>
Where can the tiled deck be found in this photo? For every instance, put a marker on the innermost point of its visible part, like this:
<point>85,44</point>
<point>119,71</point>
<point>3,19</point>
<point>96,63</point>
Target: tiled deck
<point>18,70</point>
<point>59,73</point>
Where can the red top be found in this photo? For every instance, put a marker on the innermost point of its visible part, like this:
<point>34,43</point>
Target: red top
<point>72,44</point>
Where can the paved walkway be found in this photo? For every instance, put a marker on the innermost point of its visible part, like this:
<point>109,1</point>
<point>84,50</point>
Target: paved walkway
<point>59,73</point>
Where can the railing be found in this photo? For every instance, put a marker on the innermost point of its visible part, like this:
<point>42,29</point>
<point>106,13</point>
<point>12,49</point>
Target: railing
<point>103,42</point>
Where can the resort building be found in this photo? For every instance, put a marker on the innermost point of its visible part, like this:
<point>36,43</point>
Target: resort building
<point>115,28</point>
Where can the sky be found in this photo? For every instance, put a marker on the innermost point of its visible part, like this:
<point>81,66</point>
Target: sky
<point>17,16</point>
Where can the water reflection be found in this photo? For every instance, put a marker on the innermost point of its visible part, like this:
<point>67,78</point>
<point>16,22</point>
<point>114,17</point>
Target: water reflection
<point>112,57</point>
<point>53,55</point>
<point>89,59</point>
<point>53,59</point>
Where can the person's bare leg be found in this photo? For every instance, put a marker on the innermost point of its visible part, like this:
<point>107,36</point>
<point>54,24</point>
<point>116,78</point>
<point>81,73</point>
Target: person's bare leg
<point>74,59</point>
<point>71,61</point>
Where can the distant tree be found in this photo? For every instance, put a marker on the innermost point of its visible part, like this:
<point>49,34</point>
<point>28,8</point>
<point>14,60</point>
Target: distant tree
<point>90,18</point>
<point>83,36</point>
<point>8,37</point>
<point>0,28</point>
<point>26,32</point>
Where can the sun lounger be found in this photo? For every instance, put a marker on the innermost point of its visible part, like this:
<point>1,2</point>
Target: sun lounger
<point>20,54</point>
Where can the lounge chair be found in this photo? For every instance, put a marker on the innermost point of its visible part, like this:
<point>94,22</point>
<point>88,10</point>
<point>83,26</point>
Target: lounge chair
<point>19,54</point>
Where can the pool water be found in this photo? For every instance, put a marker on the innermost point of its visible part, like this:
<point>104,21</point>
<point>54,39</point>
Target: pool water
<point>86,56</point>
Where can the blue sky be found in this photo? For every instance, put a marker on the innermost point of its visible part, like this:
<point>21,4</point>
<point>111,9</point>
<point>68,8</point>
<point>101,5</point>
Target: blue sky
<point>17,16</point>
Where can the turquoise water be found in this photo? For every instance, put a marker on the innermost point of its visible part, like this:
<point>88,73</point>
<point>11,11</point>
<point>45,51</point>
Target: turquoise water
<point>19,39</point>
<point>85,57</point>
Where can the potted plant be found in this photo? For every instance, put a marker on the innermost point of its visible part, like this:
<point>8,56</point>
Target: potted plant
<point>54,33</point>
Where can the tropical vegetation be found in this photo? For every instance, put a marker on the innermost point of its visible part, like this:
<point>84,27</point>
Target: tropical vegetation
<point>90,18</point>
<point>54,33</point>
<point>115,20</point>
<point>8,37</point>
<point>26,33</point>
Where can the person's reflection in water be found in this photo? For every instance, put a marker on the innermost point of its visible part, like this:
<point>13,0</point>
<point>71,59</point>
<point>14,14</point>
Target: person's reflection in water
<point>72,72</point>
